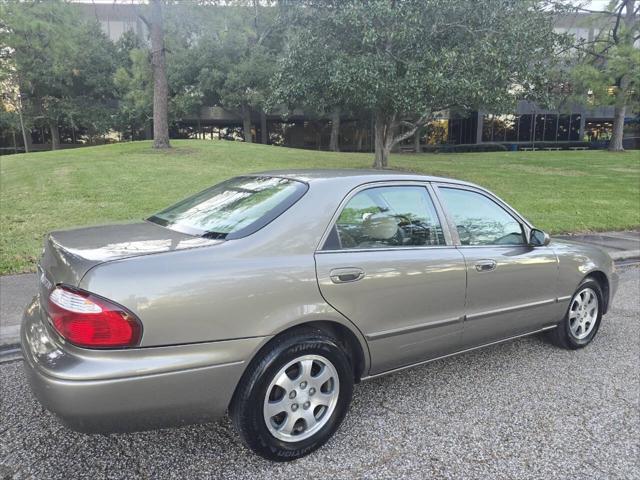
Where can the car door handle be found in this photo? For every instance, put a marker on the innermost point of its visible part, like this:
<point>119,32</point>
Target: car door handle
<point>346,275</point>
<point>486,265</point>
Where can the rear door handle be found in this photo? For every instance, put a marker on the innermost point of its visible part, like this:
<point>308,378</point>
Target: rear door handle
<point>346,275</point>
<point>486,265</point>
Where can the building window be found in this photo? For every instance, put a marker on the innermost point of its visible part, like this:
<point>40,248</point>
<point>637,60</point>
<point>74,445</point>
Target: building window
<point>539,128</point>
<point>574,132</point>
<point>550,128</point>
<point>511,128</point>
<point>598,130</point>
<point>524,128</point>
<point>487,128</point>
<point>564,125</point>
<point>463,130</point>
<point>454,130</point>
<point>498,129</point>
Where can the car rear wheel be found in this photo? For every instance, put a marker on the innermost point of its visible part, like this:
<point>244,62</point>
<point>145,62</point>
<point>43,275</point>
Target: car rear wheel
<point>582,320</point>
<point>293,397</point>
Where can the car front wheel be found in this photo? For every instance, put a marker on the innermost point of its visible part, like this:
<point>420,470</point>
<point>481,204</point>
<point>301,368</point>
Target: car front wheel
<point>293,397</point>
<point>582,321</point>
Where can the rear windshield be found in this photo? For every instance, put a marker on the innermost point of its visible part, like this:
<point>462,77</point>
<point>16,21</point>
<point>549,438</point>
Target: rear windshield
<point>232,209</point>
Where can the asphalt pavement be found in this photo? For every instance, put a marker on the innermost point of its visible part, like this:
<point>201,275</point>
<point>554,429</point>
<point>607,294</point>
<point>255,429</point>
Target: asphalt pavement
<point>15,293</point>
<point>523,409</point>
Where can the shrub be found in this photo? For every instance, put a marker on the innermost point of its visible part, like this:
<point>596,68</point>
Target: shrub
<point>562,145</point>
<point>472,147</point>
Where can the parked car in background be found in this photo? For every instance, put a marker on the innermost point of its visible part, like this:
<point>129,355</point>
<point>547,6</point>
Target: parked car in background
<point>271,294</point>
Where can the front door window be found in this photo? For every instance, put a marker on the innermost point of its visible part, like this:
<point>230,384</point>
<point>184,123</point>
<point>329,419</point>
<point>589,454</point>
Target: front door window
<point>479,220</point>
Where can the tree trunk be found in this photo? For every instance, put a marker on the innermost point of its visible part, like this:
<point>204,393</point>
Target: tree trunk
<point>359,138</point>
<point>615,144</point>
<point>383,139</point>
<point>55,135</point>
<point>28,146</point>
<point>15,142</point>
<point>385,135</point>
<point>26,136</point>
<point>335,130</point>
<point>246,124</point>
<point>416,139</point>
<point>264,133</point>
<point>160,85</point>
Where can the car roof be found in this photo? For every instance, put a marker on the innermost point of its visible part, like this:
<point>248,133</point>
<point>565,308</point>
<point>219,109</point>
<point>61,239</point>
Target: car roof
<point>356,175</point>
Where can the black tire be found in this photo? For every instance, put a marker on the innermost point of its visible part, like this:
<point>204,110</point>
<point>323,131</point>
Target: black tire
<point>246,409</point>
<point>562,336</point>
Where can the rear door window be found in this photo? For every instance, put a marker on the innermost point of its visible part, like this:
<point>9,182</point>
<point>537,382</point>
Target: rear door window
<point>384,217</point>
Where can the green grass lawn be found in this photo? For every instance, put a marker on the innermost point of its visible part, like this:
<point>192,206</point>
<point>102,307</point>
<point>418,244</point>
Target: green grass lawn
<point>557,191</point>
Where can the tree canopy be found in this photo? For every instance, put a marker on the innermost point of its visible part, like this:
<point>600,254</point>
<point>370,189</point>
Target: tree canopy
<point>406,60</point>
<point>236,57</point>
<point>61,62</point>
<point>401,63</point>
<point>607,69</point>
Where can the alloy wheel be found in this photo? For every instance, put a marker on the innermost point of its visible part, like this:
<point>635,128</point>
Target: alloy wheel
<point>301,398</point>
<point>583,313</point>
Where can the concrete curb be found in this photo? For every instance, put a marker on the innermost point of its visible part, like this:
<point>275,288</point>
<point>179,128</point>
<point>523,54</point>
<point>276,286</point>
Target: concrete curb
<point>625,255</point>
<point>10,352</point>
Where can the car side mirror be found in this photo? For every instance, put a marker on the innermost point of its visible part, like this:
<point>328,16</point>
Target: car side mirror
<point>538,238</point>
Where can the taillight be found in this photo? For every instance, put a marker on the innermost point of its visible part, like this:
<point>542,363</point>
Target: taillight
<point>90,321</point>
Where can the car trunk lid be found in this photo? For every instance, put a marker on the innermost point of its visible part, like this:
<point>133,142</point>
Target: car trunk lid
<point>69,254</point>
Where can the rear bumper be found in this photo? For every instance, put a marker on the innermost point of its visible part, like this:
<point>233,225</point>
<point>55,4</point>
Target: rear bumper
<point>137,389</point>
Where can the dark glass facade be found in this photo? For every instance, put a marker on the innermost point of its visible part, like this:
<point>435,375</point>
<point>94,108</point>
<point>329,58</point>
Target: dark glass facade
<point>525,123</point>
<point>574,131</point>
<point>551,128</point>
<point>462,130</point>
<point>500,128</point>
<point>564,126</point>
<point>543,127</point>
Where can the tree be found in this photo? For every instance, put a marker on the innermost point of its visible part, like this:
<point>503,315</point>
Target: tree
<point>61,64</point>
<point>404,61</point>
<point>10,117</point>
<point>133,82</point>
<point>183,27</point>
<point>305,77</point>
<point>608,70</point>
<point>155,24</point>
<point>134,78</point>
<point>237,57</point>
<point>160,84</point>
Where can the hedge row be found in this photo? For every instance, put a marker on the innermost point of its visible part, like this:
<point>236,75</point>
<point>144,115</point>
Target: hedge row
<point>501,147</point>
